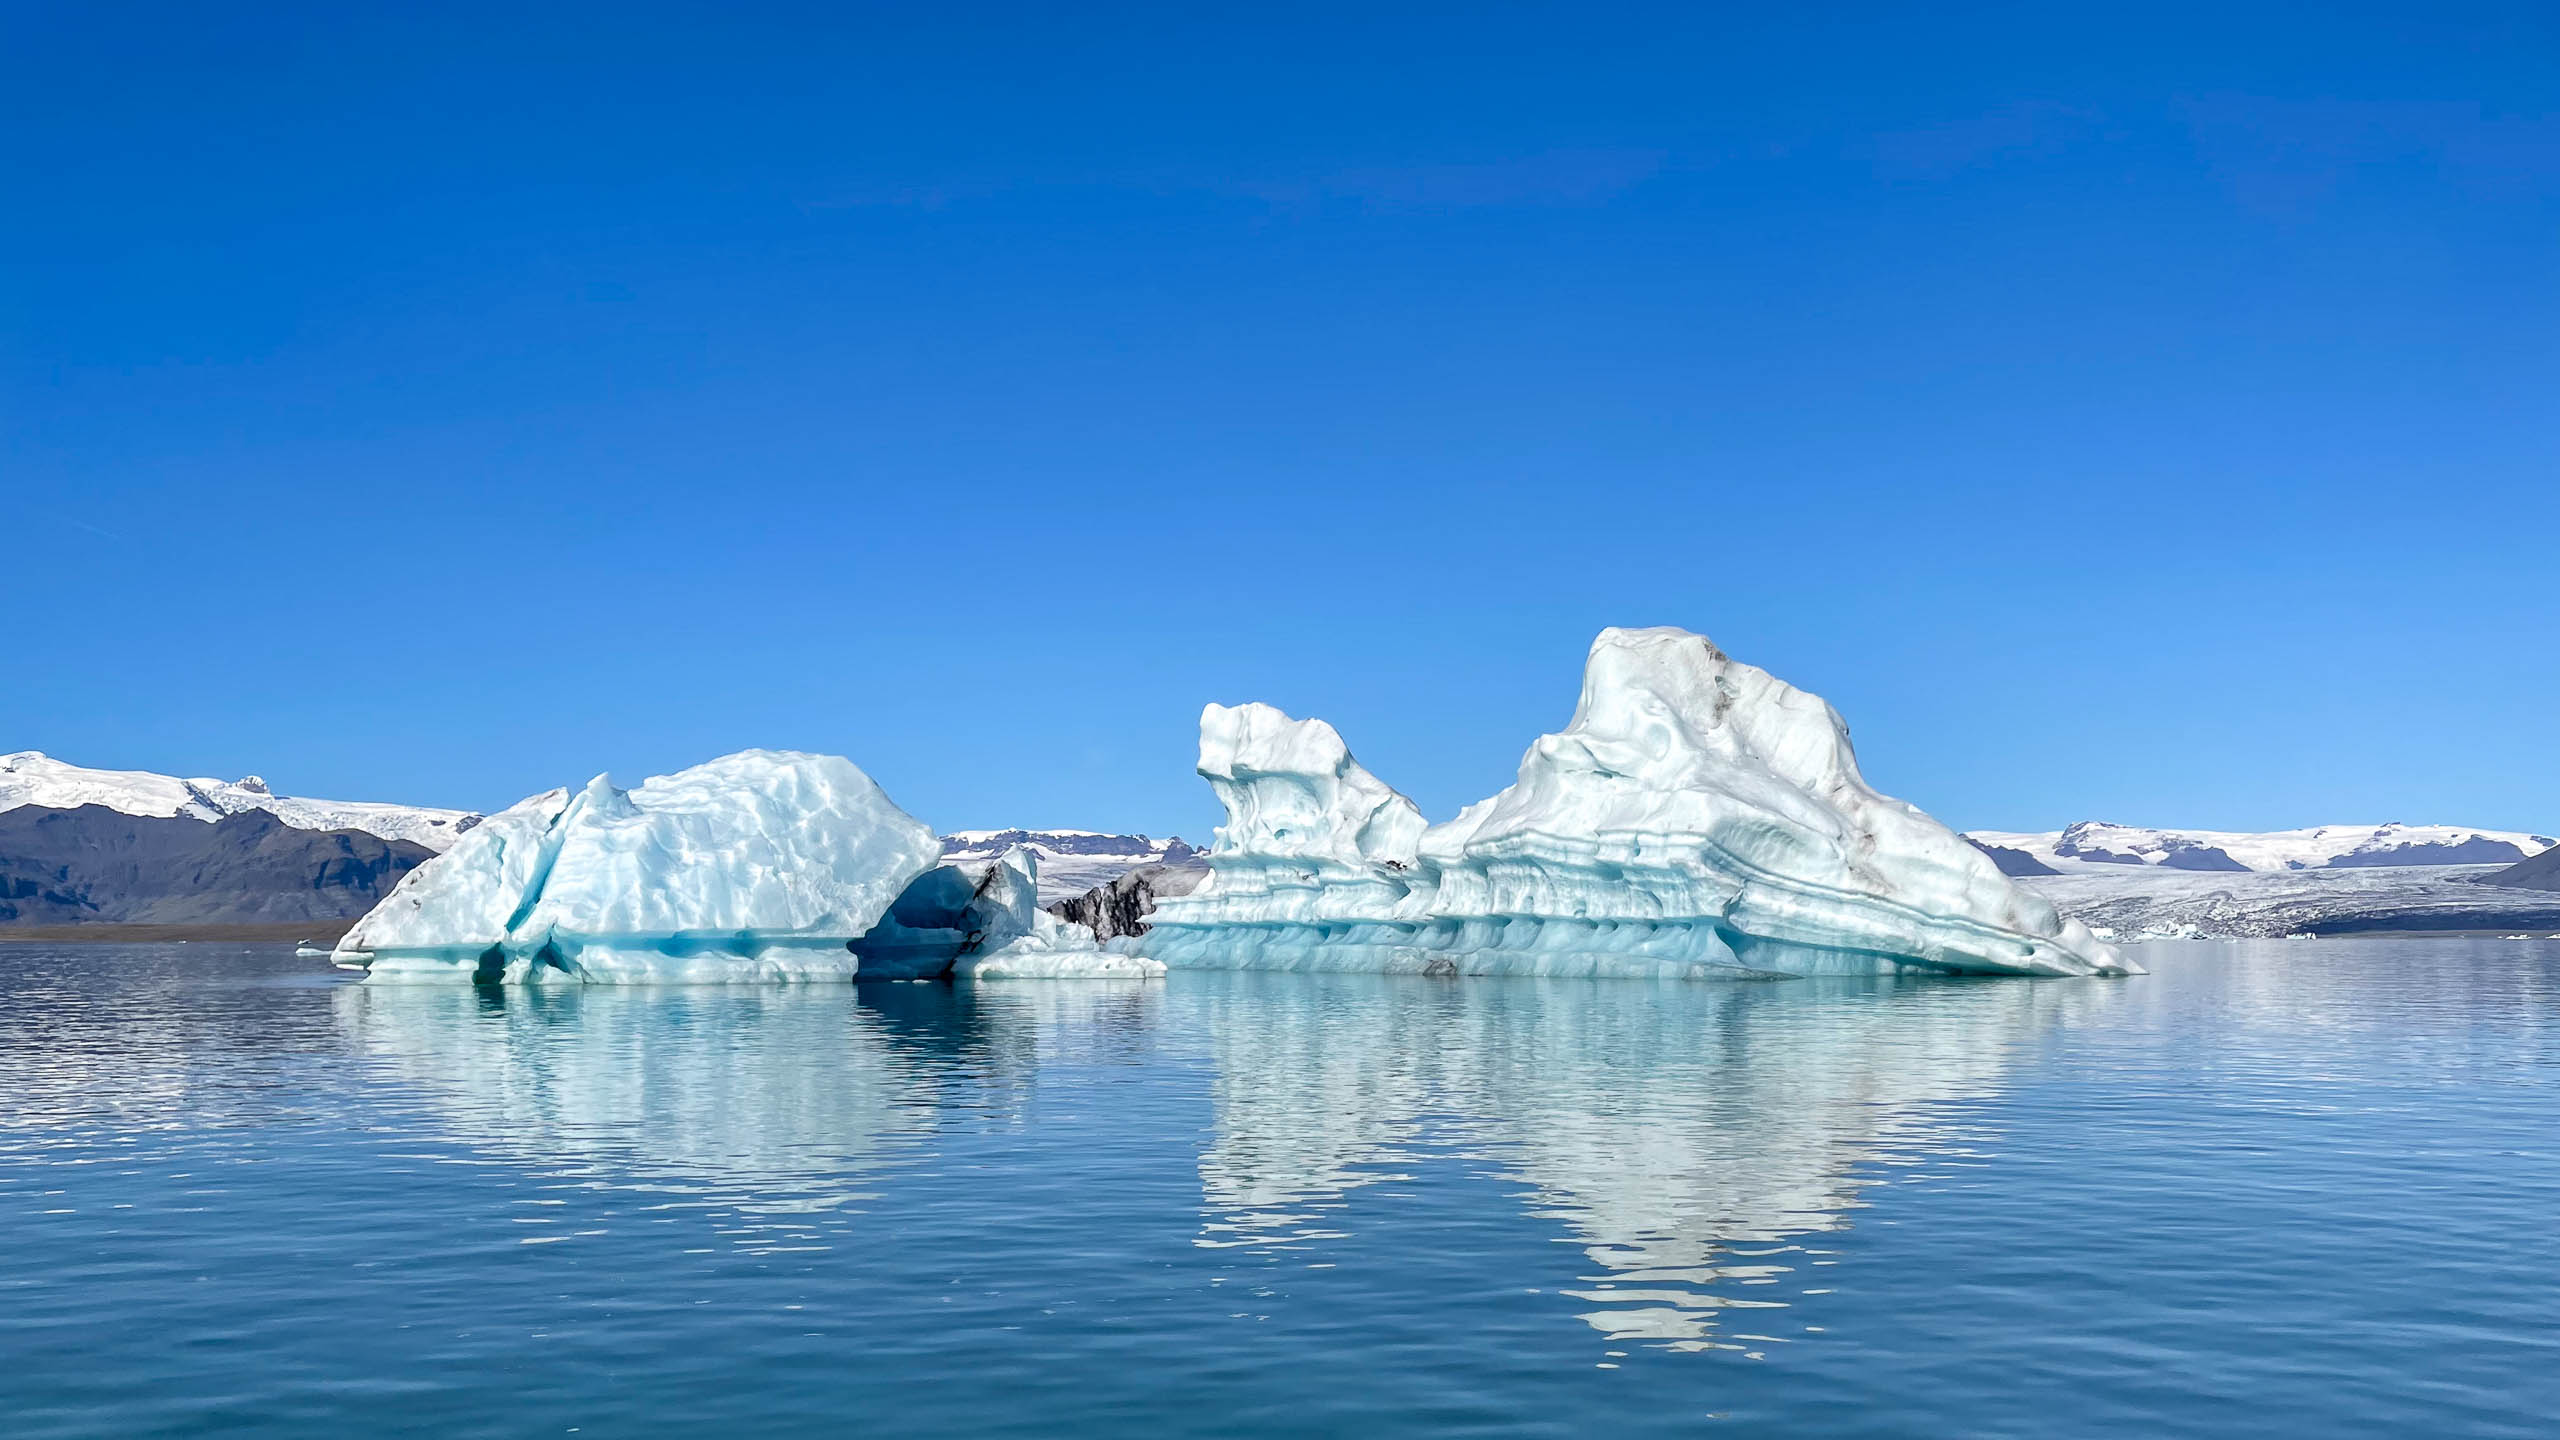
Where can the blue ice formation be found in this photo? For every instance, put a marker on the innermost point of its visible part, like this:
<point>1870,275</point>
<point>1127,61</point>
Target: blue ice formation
<point>764,865</point>
<point>1698,817</point>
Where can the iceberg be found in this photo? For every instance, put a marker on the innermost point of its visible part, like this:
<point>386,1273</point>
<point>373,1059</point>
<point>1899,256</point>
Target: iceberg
<point>763,865</point>
<point>1016,939</point>
<point>1698,817</point>
<point>766,864</point>
<point>991,927</point>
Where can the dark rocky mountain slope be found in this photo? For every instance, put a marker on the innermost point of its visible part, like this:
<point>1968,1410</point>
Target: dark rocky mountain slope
<point>97,865</point>
<point>2542,872</point>
<point>2012,863</point>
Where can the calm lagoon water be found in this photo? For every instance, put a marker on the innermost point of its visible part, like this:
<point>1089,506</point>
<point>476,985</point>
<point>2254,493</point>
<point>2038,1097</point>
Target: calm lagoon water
<point>2271,1189</point>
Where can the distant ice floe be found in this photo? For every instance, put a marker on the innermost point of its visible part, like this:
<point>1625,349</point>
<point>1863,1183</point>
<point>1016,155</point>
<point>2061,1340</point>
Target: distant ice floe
<point>764,865</point>
<point>1697,817</point>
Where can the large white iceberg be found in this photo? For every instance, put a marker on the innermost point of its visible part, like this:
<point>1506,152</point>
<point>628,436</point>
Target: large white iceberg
<point>1698,817</point>
<point>764,865</point>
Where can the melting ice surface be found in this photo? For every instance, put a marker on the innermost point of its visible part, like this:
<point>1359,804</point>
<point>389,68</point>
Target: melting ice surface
<point>1698,816</point>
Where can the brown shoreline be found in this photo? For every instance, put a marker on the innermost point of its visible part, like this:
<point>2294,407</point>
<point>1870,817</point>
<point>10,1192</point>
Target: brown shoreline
<point>318,931</point>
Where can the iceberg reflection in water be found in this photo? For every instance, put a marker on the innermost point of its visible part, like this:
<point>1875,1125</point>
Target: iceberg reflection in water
<point>1688,1137</point>
<point>2279,1189</point>
<point>1693,1141</point>
<point>760,1100</point>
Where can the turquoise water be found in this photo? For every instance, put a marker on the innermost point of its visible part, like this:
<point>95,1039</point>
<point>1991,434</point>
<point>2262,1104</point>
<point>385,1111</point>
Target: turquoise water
<point>2275,1189</point>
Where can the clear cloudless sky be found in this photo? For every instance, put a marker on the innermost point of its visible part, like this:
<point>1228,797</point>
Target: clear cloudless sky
<point>2143,412</point>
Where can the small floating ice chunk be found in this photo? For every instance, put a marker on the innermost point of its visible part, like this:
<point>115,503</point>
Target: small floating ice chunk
<point>1019,940</point>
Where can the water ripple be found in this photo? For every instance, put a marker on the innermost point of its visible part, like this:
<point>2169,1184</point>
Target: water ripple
<point>2274,1188</point>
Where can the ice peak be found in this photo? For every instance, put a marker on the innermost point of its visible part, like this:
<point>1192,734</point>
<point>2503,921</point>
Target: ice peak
<point>604,800</point>
<point>1291,788</point>
<point>1638,637</point>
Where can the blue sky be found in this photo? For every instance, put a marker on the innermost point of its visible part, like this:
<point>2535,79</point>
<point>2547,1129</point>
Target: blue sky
<point>2145,414</point>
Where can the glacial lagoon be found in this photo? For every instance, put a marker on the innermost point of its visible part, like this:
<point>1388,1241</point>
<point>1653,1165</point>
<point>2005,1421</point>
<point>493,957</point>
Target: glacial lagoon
<point>2270,1188</point>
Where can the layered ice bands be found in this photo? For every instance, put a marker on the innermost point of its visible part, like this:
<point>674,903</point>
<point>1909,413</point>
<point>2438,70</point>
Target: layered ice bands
<point>1698,817</point>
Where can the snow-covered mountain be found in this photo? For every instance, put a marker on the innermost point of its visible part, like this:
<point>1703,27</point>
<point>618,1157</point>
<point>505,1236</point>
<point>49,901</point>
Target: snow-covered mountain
<point>2130,902</point>
<point>2322,847</point>
<point>31,777</point>
<point>93,866</point>
<point>2132,882</point>
<point>1072,862</point>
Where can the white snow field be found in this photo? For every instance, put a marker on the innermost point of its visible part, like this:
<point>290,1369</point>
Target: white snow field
<point>1698,817</point>
<point>763,865</point>
<point>31,777</point>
